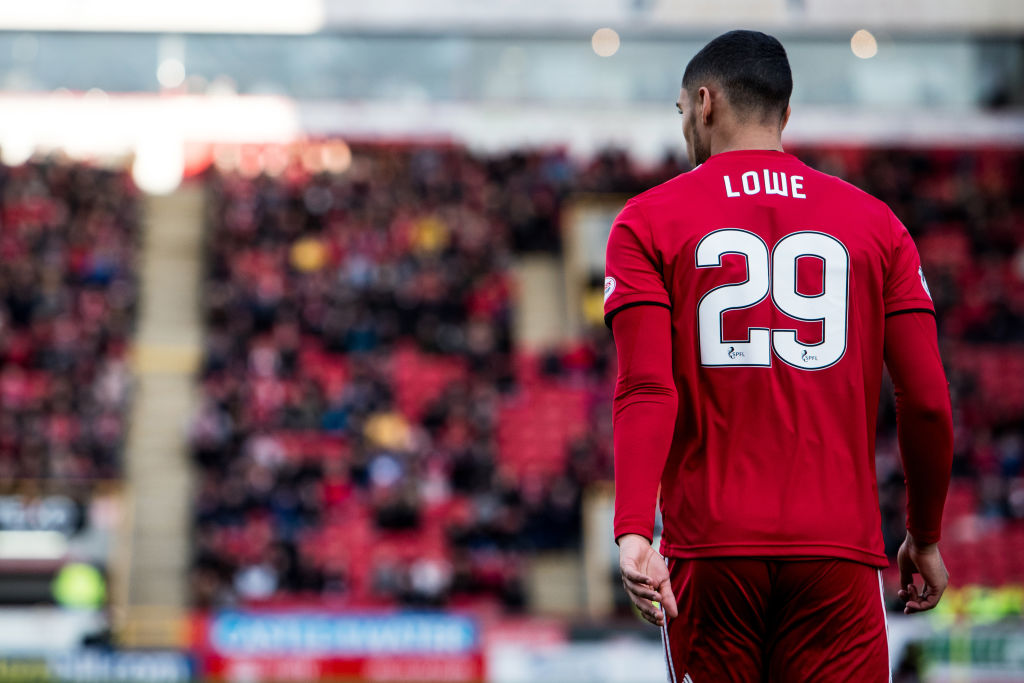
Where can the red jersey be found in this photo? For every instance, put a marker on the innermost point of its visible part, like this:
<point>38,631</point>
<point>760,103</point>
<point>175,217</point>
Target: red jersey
<point>778,279</point>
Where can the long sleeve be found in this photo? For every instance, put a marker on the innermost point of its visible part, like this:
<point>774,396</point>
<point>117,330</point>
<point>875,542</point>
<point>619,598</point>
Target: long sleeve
<point>644,406</point>
<point>924,418</point>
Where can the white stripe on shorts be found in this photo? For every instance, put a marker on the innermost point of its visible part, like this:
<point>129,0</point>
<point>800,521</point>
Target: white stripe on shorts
<point>668,650</point>
<point>885,617</point>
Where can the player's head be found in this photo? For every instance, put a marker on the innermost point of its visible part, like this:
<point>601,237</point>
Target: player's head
<point>739,79</point>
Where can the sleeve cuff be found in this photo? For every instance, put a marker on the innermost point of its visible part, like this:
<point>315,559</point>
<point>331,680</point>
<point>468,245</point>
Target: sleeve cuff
<point>615,311</point>
<point>922,536</point>
<point>910,307</point>
<point>638,529</point>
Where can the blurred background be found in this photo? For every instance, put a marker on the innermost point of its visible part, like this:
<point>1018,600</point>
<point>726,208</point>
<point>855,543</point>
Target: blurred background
<point>302,368</point>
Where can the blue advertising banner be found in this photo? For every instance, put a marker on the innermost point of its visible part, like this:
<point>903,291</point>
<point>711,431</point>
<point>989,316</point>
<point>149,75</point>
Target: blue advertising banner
<point>332,635</point>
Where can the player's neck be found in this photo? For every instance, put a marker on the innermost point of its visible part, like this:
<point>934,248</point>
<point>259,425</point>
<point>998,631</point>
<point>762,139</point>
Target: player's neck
<point>748,139</point>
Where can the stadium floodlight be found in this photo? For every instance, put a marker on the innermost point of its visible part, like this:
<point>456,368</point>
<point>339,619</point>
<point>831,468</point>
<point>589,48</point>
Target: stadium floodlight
<point>159,164</point>
<point>605,42</point>
<point>863,44</point>
<point>16,149</point>
<point>171,73</point>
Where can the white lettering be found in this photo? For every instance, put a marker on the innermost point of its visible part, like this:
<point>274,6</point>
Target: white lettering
<point>774,185</point>
<point>775,182</point>
<point>797,183</point>
<point>754,186</point>
<point>728,188</point>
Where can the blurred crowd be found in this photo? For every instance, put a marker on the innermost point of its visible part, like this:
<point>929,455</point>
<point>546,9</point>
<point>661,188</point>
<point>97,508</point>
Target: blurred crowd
<point>359,363</point>
<point>359,355</point>
<point>68,292</point>
<point>321,288</point>
<point>331,468</point>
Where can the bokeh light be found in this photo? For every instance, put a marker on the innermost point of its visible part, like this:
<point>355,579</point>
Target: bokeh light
<point>605,42</point>
<point>159,164</point>
<point>171,73</point>
<point>864,44</point>
<point>336,157</point>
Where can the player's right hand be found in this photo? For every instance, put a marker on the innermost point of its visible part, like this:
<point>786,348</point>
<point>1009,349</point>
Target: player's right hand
<point>923,559</point>
<point>646,578</point>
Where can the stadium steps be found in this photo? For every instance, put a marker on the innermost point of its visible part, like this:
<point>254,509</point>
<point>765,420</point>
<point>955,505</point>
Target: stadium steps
<point>554,584</point>
<point>540,319</point>
<point>152,578</point>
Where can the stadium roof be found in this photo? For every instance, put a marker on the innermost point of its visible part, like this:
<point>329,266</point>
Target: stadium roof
<point>310,16</point>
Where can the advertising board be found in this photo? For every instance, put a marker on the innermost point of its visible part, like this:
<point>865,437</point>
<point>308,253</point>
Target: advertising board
<point>307,645</point>
<point>88,666</point>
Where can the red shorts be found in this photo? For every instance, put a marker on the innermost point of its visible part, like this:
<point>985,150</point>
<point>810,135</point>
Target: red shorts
<point>753,620</point>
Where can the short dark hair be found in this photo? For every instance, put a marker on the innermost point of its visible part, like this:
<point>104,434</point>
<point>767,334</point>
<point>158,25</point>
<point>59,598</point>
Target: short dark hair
<point>751,67</point>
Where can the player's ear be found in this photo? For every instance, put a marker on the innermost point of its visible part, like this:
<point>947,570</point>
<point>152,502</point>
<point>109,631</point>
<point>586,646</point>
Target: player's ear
<point>785,117</point>
<point>704,104</point>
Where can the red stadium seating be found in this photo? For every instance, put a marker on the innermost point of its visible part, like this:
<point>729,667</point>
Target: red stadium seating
<point>374,381</point>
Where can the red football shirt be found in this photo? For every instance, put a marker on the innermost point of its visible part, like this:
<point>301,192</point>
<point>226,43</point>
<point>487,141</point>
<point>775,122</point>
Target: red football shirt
<point>778,279</point>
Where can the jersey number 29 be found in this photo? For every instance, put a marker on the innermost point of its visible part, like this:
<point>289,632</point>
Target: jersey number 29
<point>775,274</point>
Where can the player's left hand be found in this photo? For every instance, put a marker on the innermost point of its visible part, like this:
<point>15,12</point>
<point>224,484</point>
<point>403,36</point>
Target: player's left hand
<point>924,559</point>
<point>646,579</point>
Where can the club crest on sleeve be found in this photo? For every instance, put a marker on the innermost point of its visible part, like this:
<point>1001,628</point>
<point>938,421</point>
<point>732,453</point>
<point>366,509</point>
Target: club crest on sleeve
<point>609,287</point>
<point>920,271</point>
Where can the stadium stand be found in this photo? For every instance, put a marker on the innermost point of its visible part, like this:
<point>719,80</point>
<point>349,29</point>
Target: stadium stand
<point>369,434</point>
<point>327,298</point>
<point>68,291</point>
